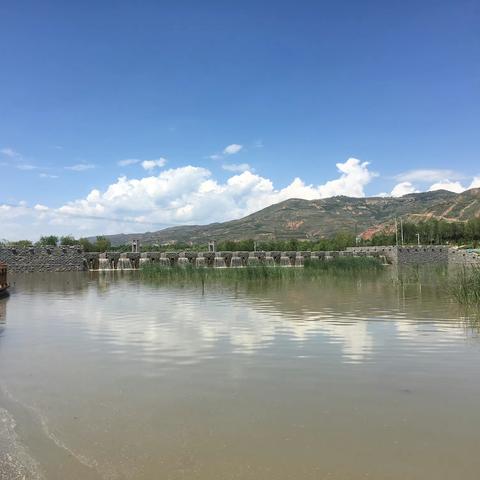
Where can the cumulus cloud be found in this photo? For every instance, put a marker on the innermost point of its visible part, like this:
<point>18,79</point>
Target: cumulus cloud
<point>152,164</point>
<point>232,149</point>
<point>402,189</point>
<point>428,175</point>
<point>475,183</point>
<point>40,208</point>
<point>188,195</point>
<point>237,167</point>
<point>355,175</point>
<point>80,167</point>
<point>443,180</point>
<point>456,187</point>
<point>20,221</point>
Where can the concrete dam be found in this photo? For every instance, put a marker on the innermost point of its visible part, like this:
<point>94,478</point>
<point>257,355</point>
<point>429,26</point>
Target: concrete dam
<point>65,259</point>
<point>126,261</point>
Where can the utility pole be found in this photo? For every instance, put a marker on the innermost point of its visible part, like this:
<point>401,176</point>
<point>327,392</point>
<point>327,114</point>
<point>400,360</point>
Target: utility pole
<point>396,232</point>
<point>418,239</point>
<point>401,230</point>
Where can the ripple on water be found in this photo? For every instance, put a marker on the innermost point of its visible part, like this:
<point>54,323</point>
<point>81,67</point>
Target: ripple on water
<point>280,356</point>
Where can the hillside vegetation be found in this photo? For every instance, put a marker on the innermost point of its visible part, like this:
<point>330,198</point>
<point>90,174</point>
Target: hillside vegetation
<point>312,219</point>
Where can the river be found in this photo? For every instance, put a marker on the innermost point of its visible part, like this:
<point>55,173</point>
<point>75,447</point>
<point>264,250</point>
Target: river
<point>108,376</point>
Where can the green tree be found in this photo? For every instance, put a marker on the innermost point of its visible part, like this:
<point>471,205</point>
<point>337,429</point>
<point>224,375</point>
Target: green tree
<point>86,245</point>
<point>102,244</point>
<point>21,243</point>
<point>68,240</point>
<point>48,241</point>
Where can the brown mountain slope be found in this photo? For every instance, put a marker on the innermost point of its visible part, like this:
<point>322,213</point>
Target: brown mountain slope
<point>301,219</point>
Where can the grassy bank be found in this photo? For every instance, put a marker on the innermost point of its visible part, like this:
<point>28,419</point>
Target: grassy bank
<point>311,269</point>
<point>465,287</point>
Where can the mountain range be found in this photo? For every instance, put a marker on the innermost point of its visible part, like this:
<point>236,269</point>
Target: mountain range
<point>309,219</point>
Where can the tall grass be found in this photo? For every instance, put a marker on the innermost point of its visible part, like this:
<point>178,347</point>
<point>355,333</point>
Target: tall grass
<point>466,287</point>
<point>347,265</point>
<point>343,264</point>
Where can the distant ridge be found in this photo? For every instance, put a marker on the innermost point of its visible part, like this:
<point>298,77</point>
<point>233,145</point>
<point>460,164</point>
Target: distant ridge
<point>307,219</point>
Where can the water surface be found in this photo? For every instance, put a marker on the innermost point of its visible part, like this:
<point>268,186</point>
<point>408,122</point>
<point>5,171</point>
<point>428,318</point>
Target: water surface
<point>106,376</point>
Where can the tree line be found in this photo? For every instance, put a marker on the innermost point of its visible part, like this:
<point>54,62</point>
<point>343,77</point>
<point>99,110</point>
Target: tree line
<point>432,232</point>
<point>428,232</point>
<point>101,243</point>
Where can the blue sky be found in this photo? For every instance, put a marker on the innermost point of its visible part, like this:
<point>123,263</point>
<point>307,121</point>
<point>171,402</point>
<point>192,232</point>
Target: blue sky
<point>229,102</point>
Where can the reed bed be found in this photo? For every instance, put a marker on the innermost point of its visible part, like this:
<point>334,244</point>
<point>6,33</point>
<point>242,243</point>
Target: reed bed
<point>347,265</point>
<point>465,287</point>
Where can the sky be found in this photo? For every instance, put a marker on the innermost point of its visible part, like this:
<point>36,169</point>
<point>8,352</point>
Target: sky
<point>122,116</point>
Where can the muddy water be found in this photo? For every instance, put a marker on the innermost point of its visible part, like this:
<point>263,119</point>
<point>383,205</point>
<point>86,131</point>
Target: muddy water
<point>104,376</point>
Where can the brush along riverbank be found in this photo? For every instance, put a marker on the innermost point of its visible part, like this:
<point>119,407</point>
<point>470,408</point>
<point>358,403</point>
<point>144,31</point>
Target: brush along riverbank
<point>311,269</point>
<point>465,287</point>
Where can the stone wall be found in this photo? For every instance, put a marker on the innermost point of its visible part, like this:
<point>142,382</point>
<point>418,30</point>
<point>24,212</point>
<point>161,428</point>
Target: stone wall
<point>422,255</point>
<point>463,258</point>
<point>43,259</point>
<point>389,252</point>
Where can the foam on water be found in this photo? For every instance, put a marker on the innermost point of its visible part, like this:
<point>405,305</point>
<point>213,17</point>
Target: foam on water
<point>15,460</point>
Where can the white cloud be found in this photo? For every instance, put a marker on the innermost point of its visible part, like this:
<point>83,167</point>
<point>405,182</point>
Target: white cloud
<point>47,175</point>
<point>184,195</point>
<point>181,196</point>
<point>26,166</point>
<point>237,167</point>
<point>15,160</point>
<point>128,161</point>
<point>9,152</point>
<point>152,164</point>
<point>80,167</point>
<point>475,183</point>
<point>456,187</point>
<point>232,149</point>
<point>428,175</point>
<point>402,189</point>
<point>354,177</point>
<point>40,208</point>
